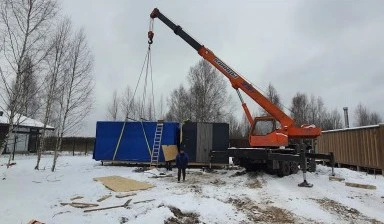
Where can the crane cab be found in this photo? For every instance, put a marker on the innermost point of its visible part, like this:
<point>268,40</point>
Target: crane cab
<point>266,132</point>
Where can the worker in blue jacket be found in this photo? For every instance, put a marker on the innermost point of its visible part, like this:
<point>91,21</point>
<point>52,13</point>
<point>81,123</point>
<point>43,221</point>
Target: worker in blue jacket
<point>181,164</point>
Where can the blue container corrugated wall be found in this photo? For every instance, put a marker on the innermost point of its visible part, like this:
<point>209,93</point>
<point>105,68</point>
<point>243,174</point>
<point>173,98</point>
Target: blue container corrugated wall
<point>133,146</point>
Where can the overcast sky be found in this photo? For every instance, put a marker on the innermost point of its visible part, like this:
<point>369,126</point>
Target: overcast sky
<point>332,49</point>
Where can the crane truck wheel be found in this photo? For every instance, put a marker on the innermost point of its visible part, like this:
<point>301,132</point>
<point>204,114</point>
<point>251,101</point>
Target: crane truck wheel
<point>312,165</point>
<point>284,169</point>
<point>245,163</point>
<point>294,167</point>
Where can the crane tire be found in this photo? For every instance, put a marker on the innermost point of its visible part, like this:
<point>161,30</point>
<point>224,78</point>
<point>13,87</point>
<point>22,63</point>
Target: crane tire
<point>284,169</point>
<point>294,167</point>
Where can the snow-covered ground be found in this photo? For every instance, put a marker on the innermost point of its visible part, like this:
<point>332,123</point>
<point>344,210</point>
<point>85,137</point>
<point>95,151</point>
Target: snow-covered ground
<point>219,197</point>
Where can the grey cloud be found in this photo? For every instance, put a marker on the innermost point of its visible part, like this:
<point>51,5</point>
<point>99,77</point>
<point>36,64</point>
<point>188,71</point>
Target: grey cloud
<point>331,49</point>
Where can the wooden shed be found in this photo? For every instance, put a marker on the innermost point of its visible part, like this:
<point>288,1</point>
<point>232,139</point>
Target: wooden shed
<point>25,135</point>
<point>360,146</point>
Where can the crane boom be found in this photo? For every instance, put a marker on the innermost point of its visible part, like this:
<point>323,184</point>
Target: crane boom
<point>278,137</point>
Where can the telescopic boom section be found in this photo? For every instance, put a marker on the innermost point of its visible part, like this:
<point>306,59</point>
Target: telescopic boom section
<point>236,79</point>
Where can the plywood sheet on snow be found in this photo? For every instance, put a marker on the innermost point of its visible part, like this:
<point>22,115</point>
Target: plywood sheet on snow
<point>121,184</point>
<point>170,152</point>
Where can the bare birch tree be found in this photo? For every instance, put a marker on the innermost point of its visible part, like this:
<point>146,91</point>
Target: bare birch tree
<point>29,91</point>
<point>299,108</point>
<point>56,66</point>
<point>180,108</point>
<point>206,99</point>
<point>24,26</point>
<point>316,111</point>
<point>375,118</point>
<point>363,116</point>
<point>160,108</point>
<point>113,107</point>
<point>235,129</point>
<point>76,89</point>
<point>129,106</point>
<point>332,120</point>
<point>208,93</point>
<point>273,96</point>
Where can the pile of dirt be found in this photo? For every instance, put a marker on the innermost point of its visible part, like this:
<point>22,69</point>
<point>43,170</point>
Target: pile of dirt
<point>256,213</point>
<point>182,217</point>
<point>345,212</point>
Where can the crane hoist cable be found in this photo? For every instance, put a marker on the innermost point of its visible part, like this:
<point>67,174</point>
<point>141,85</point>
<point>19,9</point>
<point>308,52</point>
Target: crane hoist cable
<point>148,65</point>
<point>148,71</point>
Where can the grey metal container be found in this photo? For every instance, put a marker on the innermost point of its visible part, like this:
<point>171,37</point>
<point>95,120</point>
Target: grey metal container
<point>199,138</point>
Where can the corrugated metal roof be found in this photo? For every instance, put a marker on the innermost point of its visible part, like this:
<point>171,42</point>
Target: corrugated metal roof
<point>353,128</point>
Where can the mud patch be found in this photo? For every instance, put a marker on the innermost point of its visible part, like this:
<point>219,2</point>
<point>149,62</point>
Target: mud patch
<point>182,217</point>
<point>260,213</point>
<point>123,220</point>
<point>218,182</point>
<point>239,173</point>
<point>196,189</point>
<point>255,180</point>
<point>254,183</point>
<point>346,213</point>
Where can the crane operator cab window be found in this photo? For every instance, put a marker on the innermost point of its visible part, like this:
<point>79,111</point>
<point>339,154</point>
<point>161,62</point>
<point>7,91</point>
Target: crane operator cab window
<point>264,125</point>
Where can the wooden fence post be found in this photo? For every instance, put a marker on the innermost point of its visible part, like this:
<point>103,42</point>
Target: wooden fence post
<point>73,147</point>
<point>86,146</point>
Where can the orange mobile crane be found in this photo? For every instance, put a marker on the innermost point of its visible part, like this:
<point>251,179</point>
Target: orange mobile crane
<point>273,148</point>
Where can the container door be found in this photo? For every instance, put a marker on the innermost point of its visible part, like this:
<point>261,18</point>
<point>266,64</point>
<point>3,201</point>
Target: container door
<point>204,142</point>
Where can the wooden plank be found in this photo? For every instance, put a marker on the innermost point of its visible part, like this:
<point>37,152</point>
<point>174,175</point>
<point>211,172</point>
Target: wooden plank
<point>80,205</point>
<point>343,148</point>
<point>125,195</point>
<point>77,197</point>
<point>125,205</point>
<point>376,155</point>
<point>355,145</point>
<point>380,141</point>
<point>374,148</point>
<point>121,184</point>
<point>105,197</point>
<point>365,148</point>
<point>170,152</point>
<point>349,150</point>
<point>33,221</point>
<point>369,148</point>
<point>362,135</point>
<point>137,202</point>
<point>365,186</point>
<point>358,147</point>
<point>336,178</point>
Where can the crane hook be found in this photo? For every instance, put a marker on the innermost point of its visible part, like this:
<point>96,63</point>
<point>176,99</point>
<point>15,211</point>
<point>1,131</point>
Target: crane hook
<point>150,37</point>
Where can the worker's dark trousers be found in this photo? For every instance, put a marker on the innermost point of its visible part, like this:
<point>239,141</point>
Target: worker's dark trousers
<point>179,174</point>
<point>168,165</point>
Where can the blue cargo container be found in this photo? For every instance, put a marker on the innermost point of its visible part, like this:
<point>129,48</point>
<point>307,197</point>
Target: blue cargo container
<point>133,146</point>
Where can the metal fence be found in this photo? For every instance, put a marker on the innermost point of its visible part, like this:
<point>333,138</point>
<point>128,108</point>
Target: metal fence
<point>72,144</point>
<point>360,147</point>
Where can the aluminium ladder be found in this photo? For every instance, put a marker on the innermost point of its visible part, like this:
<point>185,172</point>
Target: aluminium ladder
<point>157,144</point>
